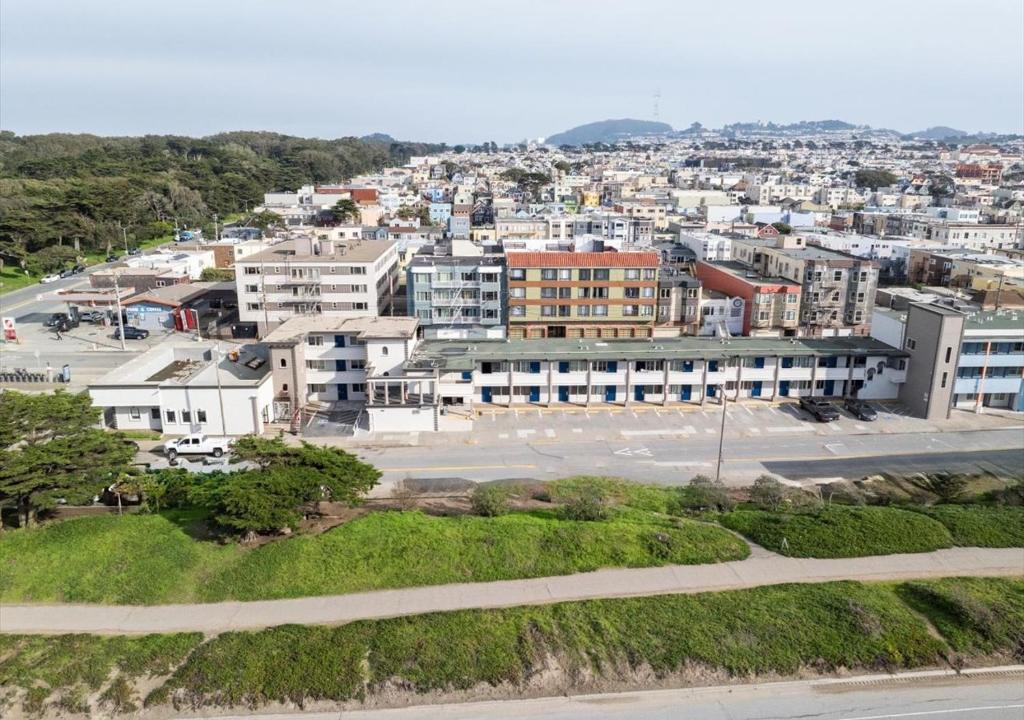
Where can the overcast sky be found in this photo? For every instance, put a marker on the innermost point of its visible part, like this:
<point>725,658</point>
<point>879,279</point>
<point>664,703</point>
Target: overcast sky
<point>476,70</point>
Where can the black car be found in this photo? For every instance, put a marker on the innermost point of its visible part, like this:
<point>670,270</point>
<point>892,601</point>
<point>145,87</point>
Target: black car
<point>820,408</point>
<point>131,333</point>
<point>55,319</point>
<point>112,258</point>
<point>67,272</point>
<point>134,251</point>
<point>860,409</point>
<point>78,269</point>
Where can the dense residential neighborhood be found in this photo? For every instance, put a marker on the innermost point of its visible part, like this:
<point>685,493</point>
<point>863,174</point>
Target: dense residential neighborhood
<point>431,394</point>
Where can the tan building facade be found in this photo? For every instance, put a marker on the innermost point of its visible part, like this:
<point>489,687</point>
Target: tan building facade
<point>582,294</point>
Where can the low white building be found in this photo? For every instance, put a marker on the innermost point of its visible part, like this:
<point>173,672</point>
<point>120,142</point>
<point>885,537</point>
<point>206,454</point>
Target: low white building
<point>710,247</point>
<point>177,389</point>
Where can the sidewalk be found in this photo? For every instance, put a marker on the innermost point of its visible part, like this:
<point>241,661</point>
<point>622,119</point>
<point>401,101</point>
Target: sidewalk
<point>612,583</point>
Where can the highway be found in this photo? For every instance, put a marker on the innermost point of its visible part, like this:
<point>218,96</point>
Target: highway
<point>921,696</point>
<point>666,458</point>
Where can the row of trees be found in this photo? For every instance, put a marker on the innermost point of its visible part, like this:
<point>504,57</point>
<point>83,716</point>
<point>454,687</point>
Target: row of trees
<point>52,450</point>
<point>62,188</point>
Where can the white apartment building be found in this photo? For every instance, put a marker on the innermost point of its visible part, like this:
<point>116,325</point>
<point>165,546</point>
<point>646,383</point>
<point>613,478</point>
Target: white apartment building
<point>707,246</point>
<point>310,276</point>
<point>320,362</point>
<point>970,236</point>
<point>771,193</point>
<point>837,197</point>
<point>721,315</point>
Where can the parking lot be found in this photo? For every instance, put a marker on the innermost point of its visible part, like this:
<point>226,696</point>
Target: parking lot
<point>752,419</point>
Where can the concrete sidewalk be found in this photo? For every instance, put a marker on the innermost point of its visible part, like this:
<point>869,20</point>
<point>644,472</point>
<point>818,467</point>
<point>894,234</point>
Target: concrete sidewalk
<point>613,583</point>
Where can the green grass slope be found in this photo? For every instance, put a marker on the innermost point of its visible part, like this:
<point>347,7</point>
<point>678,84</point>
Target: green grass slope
<point>837,532</point>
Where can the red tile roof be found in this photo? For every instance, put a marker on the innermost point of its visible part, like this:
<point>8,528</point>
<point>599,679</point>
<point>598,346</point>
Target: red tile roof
<point>583,259</point>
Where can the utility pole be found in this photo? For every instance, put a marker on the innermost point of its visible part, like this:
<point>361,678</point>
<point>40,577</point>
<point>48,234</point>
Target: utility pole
<point>721,433</point>
<point>216,231</point>
<point>120,318</point>
<point>220,390</point>
<point>124,232</point>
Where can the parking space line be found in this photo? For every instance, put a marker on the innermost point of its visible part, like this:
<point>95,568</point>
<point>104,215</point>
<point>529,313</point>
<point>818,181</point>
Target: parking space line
<point>747,409</point>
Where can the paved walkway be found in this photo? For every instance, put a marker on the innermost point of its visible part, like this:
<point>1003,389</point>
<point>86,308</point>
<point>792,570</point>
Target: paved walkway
<point>613,583</point>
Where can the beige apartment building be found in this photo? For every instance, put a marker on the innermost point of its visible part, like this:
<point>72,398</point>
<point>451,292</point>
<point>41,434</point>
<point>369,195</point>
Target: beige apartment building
<point>311,276</point>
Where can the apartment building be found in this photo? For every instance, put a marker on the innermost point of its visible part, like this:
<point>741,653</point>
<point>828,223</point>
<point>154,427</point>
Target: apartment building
<point>711,247</point>
<point>954,267</point>
<point>456,290</point>
<point>582,294</point>
<point>962,357</point>
<point>310,276</point>
<point>771,305</point>
<point>970,236</point>
<point>649,210</point>
<point>317,362</point>
<point>679,301</point>
<point>636,231</point>
<point>837,289</point>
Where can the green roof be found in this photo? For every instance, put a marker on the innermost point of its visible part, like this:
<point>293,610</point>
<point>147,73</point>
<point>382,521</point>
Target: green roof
<point>464,354</point>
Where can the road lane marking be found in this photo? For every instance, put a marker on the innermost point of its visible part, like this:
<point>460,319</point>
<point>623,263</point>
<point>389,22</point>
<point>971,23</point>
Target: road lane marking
<point>797,428</point>
<point>923,713</point>
<point>688,430</point>
<point>451,468</point>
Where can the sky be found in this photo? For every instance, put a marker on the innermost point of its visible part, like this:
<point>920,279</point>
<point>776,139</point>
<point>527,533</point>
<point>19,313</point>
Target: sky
<point>476,70</point>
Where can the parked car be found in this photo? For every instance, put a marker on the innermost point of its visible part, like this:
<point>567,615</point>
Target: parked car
<point>49,278</point>
<point>860,409</point>
<point>197,444</point>
<point>131,333</point>
<point>821,409</point>
<point>112,258</point>
<point>134,251</point>
<point>54,320</point>
<point>93,316</point>
<point>78,269</point>
<point>67,272</point>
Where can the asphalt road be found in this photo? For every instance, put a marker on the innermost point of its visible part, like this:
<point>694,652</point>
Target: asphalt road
<point>674,460</point>
<point>927,696</point>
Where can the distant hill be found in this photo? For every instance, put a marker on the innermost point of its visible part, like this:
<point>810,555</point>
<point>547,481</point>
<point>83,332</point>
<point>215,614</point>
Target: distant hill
<point>608,131</point>
<point>804,126</point>
<point>940,132</point>
<point>378,138</point>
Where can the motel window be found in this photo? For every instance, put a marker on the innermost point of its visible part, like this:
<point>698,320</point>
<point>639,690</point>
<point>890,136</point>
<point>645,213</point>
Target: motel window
<point>134,413</point>
<point>186,416</point>
<point>170,416</point>
<point>154,413</point>
<point>201,416</point>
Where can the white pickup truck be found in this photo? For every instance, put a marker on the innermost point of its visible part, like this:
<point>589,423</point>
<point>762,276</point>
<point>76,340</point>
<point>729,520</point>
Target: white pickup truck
<point>197,444</point>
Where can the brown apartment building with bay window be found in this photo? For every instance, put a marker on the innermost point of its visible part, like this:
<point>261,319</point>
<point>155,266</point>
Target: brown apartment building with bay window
<point>582,294</point>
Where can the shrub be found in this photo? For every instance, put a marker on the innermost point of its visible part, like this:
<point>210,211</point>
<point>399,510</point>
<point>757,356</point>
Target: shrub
<point>768,493</point>
<point>590,501</point>
<point>490,500</point>
<point>120,696</point>
<point>702,493</point>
